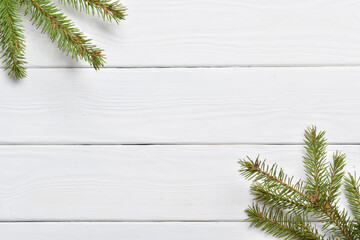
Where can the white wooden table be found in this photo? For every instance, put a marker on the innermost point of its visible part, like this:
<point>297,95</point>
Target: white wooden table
<point>147,148</point>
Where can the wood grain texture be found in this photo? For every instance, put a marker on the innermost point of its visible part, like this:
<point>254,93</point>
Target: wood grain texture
<point>143,192</point>
<point>129,231</point>
<point>217,105</point>
<point>135,183</point>
<point>217,33</point>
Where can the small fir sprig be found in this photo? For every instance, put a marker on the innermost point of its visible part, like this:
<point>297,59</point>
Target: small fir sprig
<point>47,16</point>
<point>12,38</point>
<point>111,11</point>
<point>283,207</point>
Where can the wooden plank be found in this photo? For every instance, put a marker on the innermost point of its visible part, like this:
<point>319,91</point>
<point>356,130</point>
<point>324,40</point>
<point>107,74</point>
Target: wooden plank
<point>135,183</point>
<point>130,231</point>
<point>216,33</point>
<point>217,105</point>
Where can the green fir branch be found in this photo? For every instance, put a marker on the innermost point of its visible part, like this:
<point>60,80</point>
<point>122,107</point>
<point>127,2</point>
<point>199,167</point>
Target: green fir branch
<point>315,164</point>
<point>338,223</point>
<point>275,222</point>
<point>108,10</point>
<point>318,196</point>
<point>274,196</point>
<point>258,171</point>
<point>45,15</point>
<point>12,38</point>
<point>336,176</point>
<point>352,193</point>
<point>70,39</point>
<point>352,190</point>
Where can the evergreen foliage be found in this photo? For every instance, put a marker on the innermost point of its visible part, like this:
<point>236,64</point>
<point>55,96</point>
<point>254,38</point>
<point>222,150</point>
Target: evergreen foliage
<point>283,207</point>
<point>47,16</point>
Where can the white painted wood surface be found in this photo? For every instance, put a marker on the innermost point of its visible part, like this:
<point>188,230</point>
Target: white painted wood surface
<point>136,183</point>
<point>217,33</point>
<point>217,105</point>
<point>130,231</point>
<point>62,128</point>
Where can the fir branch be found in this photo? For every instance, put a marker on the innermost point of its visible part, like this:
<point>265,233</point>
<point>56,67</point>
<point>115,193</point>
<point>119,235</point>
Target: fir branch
<point>59,28</point>
<point>338,223</point>
<point>270,221</point>
<point>56,25</point>
<point>337,174</point>
<point>108,10</point>
<point>315,164</point>
<point>309,231</point>
<point>318,196</point>
<point>352,189</point>
<point>12,39</point>
<point>334,221</point>
<point>258,170</point>
<point>273,196</point>
<point>275,222</point>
